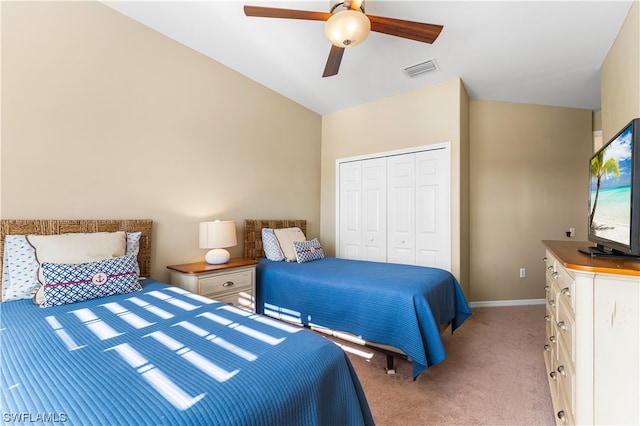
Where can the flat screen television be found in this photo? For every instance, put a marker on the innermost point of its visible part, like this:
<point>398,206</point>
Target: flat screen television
<point>614,195</point>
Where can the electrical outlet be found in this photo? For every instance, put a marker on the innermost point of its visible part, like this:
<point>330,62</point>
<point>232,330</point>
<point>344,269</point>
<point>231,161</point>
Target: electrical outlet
<point>523,273</point>
<point>572,232</point>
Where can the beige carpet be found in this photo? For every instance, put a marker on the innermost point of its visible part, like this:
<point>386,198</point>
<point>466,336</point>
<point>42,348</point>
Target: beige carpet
<point>494,374</point>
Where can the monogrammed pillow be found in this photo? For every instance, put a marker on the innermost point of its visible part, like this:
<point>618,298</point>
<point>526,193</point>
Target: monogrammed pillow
<point>70,283</point>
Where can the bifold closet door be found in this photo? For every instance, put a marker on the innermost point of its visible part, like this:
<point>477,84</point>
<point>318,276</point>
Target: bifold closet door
<point>362,214</point>
<point>418,209</point>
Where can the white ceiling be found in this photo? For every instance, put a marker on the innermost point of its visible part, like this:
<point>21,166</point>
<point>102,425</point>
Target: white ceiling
<point>539,52</point>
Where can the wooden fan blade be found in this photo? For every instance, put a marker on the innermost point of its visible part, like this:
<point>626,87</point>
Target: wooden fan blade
<point>426,33</point>
<point>274,12</point>
<point>333,62</point>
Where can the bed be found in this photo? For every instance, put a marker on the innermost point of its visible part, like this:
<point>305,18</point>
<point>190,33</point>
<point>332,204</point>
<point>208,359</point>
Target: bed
<point>162,356</point>
<point>400,308</point>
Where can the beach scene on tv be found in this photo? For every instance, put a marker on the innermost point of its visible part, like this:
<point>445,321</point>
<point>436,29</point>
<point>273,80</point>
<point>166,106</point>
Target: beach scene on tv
<point>610,198</point>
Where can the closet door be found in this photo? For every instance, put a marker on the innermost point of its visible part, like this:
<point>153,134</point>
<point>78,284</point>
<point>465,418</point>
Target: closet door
<point>433,209</point>
<point>362,215</point>
<point>401,209</point>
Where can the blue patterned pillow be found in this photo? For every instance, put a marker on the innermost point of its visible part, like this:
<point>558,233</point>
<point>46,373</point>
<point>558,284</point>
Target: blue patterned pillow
<point>19,269</point>
<point>74,282</point>
<point>307,251</point>
<point>270,245</point>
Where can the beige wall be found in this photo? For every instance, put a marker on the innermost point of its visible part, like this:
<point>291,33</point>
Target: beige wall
<point>620,77</point>
<point>529,181</point>
<point>105,118</point>
<point>421,117</point>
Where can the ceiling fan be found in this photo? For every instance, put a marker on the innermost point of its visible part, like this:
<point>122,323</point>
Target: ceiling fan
<point>347,26</point>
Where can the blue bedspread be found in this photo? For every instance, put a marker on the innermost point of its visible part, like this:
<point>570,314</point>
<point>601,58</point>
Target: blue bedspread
<point>162,356</point>
<point>393,304</point>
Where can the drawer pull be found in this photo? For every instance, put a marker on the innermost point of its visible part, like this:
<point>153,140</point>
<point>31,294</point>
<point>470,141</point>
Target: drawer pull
<point>227,284</point>
<point>552,339</point>
<point>552,302</point>
<point>547,318</point>
<point>566,291</point>
<point>546,287</point>
<point>544,259</point>
<point>562,416</point>
<point>562,371</point>
<point>550,268</point>
<point>553,375</point>
<point>562,325</point>
<point>554,275</point>
<point>547,348</point>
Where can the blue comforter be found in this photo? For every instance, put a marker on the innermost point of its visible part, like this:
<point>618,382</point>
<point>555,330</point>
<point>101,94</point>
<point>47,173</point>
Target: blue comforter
<point>392,304</point>
<point>162,356</point>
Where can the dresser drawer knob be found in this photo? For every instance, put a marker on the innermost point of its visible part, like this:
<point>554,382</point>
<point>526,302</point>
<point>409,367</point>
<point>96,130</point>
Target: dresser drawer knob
<point>547,318</point>
<point>544,259</point>
<point>562,325</point>
<point>554,275</point>
<point>553,375</point>
<point>566,291</point>
<point>227,284</point>
<point>547,348</point>
<point>552,339</point>
<point>562,371</point>
<point>562,416</point>
<point>550,268</point>
<point>552,302</point>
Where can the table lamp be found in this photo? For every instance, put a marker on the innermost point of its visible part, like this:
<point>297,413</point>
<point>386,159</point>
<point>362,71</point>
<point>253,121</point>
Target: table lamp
<point>217,236</point>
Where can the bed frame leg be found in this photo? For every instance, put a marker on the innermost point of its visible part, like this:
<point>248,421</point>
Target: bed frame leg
<point>390,368</point>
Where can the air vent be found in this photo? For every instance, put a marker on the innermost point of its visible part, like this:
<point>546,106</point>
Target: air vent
<point>421,68</point>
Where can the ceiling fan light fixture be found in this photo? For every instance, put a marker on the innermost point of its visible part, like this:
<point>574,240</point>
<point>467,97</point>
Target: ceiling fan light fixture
<point>347,28</point>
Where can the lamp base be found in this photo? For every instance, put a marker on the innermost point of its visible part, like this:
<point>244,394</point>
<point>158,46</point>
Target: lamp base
<point>217,256</point>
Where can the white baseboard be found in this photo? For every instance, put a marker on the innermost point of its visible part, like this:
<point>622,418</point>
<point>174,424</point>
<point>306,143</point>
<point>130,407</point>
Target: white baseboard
<point>499,303</point>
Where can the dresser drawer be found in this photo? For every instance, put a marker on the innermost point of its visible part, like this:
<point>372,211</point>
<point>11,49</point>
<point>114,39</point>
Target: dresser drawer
<point>566,288</point>
<point>566,379</point>
<point>565,328</point>
<point>226,283</point>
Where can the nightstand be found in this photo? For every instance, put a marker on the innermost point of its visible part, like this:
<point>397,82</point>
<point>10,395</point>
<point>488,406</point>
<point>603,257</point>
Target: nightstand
<point>233,282</point>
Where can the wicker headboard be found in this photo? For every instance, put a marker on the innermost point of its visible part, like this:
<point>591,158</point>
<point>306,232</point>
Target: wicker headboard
<point>56,226</point>
<point>253,233</point>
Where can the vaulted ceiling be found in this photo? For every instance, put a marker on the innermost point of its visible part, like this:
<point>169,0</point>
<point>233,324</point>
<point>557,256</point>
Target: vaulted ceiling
<point>539,52</point>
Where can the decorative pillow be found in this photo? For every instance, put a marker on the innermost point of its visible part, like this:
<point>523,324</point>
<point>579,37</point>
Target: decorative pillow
<point>19,269</point>
<point>133,246</point>
<point>307,251</point>
<point>70,283</point>
<point>286,237</point>
<point>270,245</point>
<point>77,247</point>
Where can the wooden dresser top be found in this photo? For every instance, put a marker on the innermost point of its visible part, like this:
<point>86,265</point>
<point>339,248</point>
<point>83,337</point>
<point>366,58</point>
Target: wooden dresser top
<point>567,253</point>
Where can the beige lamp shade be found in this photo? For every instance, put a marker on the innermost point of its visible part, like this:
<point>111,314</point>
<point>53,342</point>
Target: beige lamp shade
<point>217,236</point>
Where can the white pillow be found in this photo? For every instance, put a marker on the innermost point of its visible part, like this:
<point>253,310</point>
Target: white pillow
<point>286,237</point>
<point>77,247</point>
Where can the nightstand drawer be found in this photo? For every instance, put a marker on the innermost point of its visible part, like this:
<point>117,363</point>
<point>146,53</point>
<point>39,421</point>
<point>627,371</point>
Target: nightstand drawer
<point>240,299</point>
<point>232,282</point>
<point>226,283</point>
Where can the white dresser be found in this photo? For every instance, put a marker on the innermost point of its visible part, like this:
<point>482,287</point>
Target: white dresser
<point>592,352</point>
